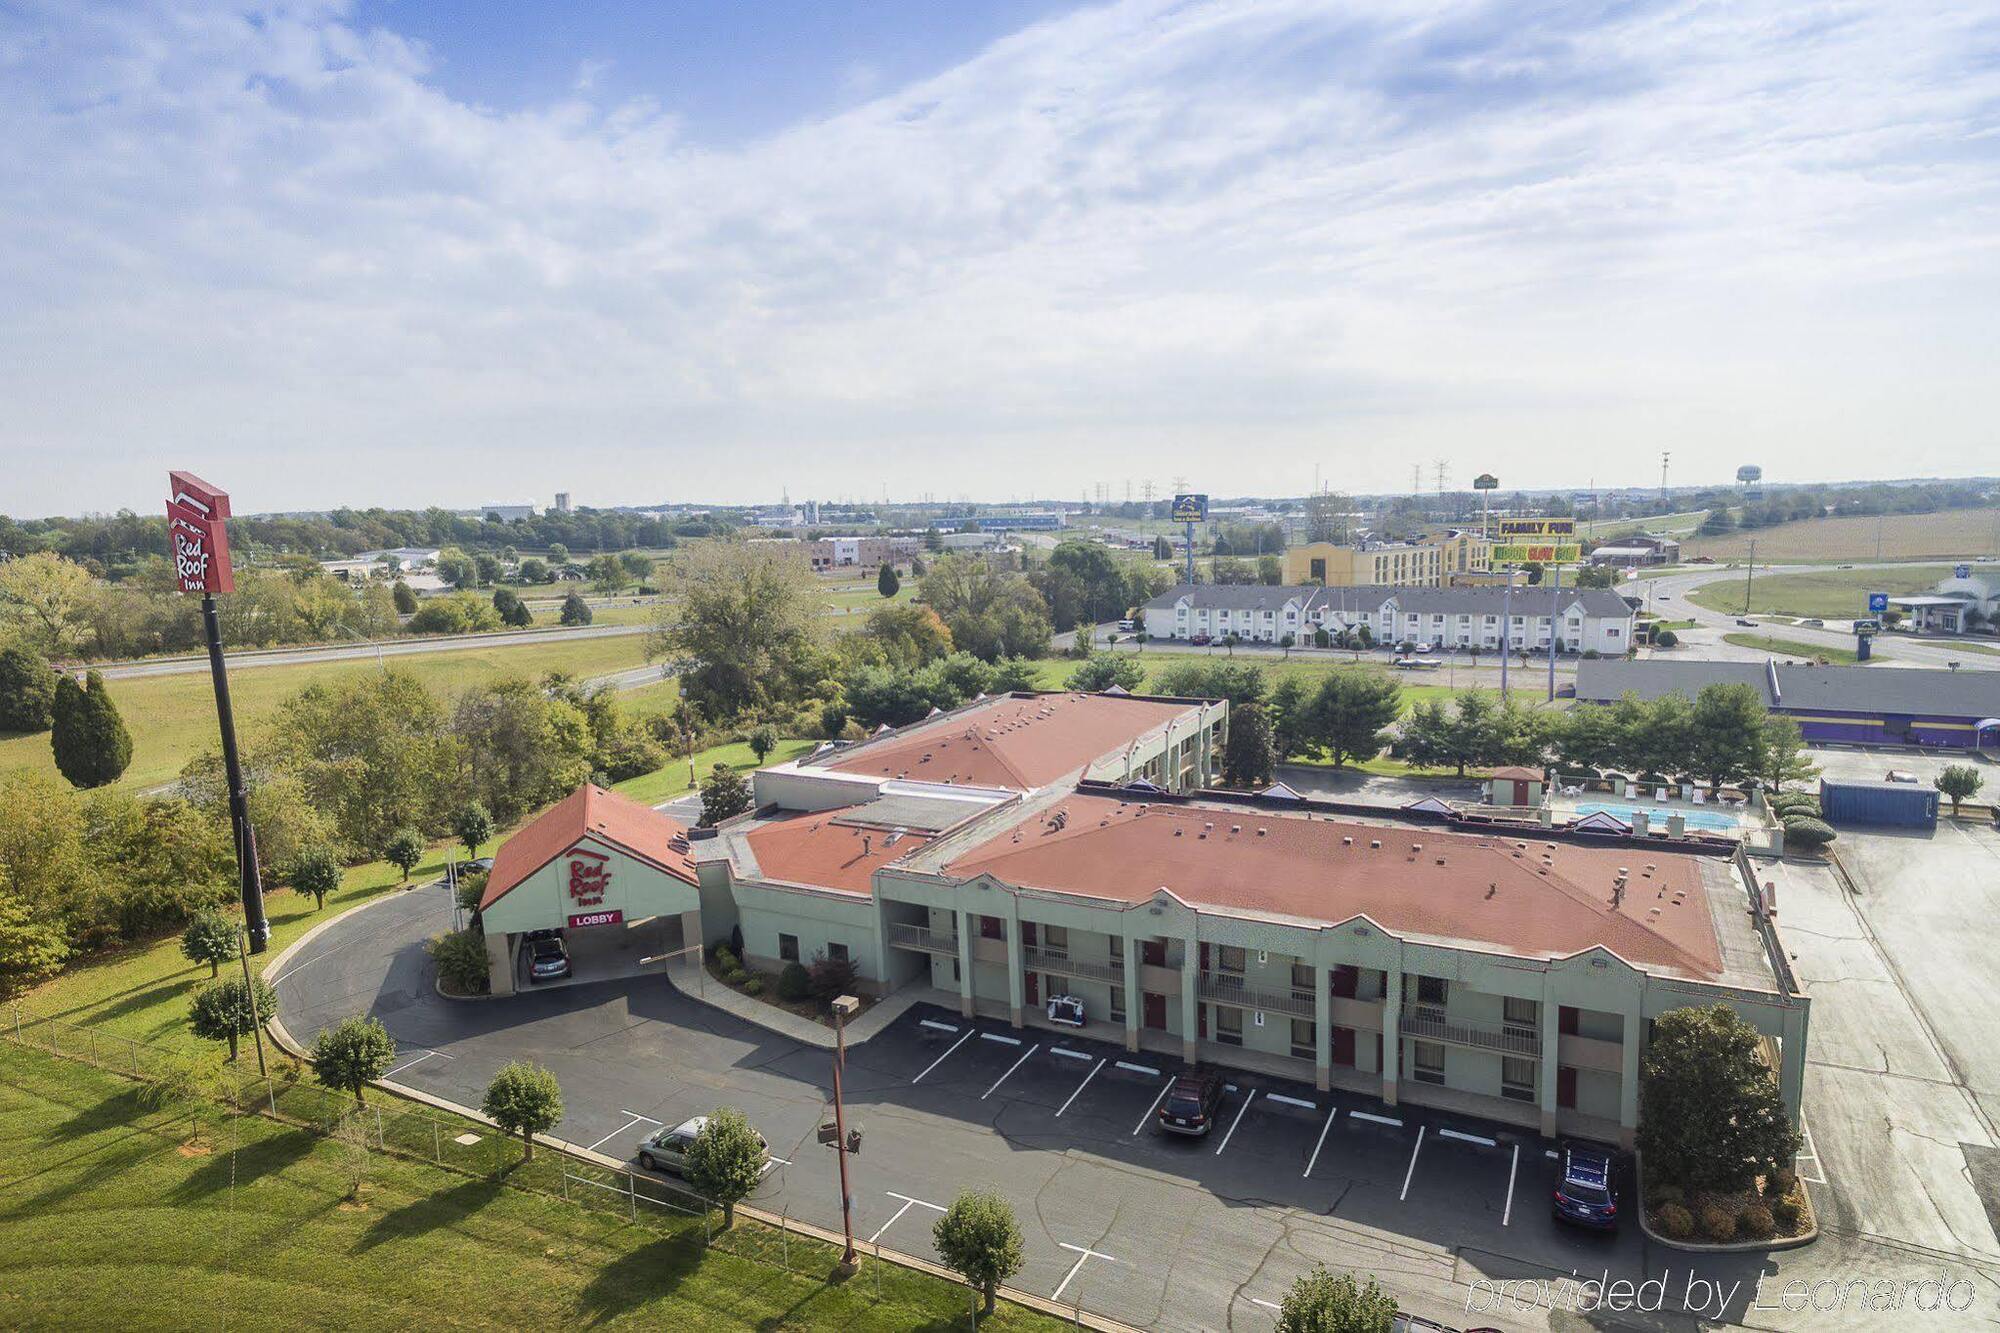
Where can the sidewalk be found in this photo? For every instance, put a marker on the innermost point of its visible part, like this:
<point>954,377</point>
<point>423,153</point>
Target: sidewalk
<point>693,981</point>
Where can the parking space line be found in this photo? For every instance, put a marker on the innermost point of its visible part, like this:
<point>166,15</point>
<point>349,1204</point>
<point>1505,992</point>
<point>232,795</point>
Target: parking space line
<point>1810,1151</point>
<point>1480,1139</point>
<point>1413,1162</point>
<point>1131,1068</point>
<point>1268,1305</point>
<point>419,1060</point>
<point>908,1203</point>
<point>1081,1256</point>
<point>995,1036</point>
<point>1081,1086</point>
<point>1374,1119</point>
<point>626,1110</point>
<point>1299,1102</point>
<point>1010,1072</point>
<point>1068,1054</point>
<point>616,1132</point>
<point>1240,1112</point>
<point>933,1024</point>
<point>1154,1107</point>
<point>942,1058</point>
<point>1507,1213</point>
<point>1330,1116</point>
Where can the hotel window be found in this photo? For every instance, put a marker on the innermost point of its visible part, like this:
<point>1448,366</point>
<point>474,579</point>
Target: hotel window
<point>836,952</point>
<point>1114,949</point>
<point>1302,979</point>
<point>1055,940</point>
<point>1432,990</point>
<point>1517,1079</point>
<point>1228,1025</point>
<point>1522,1015</point>
<point>1229,960</point>
<point>1427,1061</point>
<point>992,928</point>
<point>1302,1039</point>
<point>1118,1004</point>
<point>788,948</point>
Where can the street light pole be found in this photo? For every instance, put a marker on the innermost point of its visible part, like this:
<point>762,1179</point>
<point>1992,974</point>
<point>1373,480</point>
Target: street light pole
<point>842,1008</point>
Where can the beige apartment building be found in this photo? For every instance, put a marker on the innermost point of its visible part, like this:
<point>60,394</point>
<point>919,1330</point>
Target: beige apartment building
<point>1455,557</point>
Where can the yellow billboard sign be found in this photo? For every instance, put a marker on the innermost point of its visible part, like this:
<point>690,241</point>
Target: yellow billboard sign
<point>1538,553</point>
<point>1542,528</point>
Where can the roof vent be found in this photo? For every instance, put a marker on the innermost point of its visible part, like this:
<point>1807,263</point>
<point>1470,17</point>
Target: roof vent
<point>1177,833</point>
<point>1261,831</point>
<point>1235,828</point>
<point>1440,860</point>
<point>1375,844</point>
<point>1347,842</point>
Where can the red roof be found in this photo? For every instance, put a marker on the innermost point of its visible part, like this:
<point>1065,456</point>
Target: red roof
<point>827,851</point>
<point>637,830</point>
<point>1019,742</point>
<point>1532,898</point>
<point>1518,773</point>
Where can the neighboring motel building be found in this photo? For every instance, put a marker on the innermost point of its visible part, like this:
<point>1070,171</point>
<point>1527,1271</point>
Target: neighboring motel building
<point>1956,604</point>
<point>1833,704</point>
<point>1589,619</point>
<point>1035,845</point>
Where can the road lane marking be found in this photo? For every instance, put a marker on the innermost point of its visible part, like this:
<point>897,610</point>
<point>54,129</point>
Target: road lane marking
<point>1240,1112</point>
<point>942,1058</point>
<point>994,1036</point>
<point>1082,1255</point>
<point>1010,1072</point>
<point>1131,1068</point>
<point>1508,1212</point>
<point>1299,1102</point>
<point>620,1130</point>
<point>1468,1138</point>
<point>1069,1054</point>
<point>1413,1162</point>
<point>1374,1119</point>
<point>934,1024</point>
<point>1154,1107</point>
<point>1081,1086</point>
<point>1330,1117</point>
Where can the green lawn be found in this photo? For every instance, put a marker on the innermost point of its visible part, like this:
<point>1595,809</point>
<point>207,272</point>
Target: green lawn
<point>1052,673</point>
<point>1832,594</point>
<point>112,1224</point>
<point>1790,648</point>
<point>172,718</point>
<point>1664,525</point>
<point>671,781</point>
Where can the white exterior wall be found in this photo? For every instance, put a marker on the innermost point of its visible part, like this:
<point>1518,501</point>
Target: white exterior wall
<point>542,901</point>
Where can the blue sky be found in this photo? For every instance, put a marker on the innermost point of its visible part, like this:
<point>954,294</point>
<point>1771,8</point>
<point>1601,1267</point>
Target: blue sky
<point>399,253</point>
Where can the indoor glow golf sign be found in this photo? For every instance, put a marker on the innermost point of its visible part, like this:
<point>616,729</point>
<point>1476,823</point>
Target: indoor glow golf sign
<point>197,534</point>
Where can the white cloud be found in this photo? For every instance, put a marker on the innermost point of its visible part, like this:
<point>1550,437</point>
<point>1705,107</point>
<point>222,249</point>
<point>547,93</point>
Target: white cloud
<point>1140,241</point>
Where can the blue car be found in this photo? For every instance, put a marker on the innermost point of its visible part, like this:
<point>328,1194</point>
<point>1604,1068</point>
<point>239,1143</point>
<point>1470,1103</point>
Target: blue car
<point>1586,1188</point>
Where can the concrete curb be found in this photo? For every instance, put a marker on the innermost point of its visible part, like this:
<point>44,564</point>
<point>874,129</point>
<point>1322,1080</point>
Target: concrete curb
<point>1804,1238</point>
<point>1028,1300</point>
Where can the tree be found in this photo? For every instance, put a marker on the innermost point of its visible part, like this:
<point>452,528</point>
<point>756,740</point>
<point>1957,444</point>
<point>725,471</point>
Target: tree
<point>224,1010</point>
<point>209,938</point>
<point>762,740</point>
<point>472,826</point>
<point>1248,754</point>
<point>455,613</point>
<point>47,599</point>
<point>486,566</point>
<point>351,1054</point>
<point>521,747</point>
<point>1350,712</point>
<point>558,554</point>
<point>1719,523</point>
<point>723,793</point>
<point>31,951</point>
<point>315,870</point>
<point>534,570</point>
<point>404,598</point>
<point>607,574</point>
<point>904,635</point>
<point>1781,753</point>
<point>1587,736</point>
<point>1162,549</point>
<point>638,565</point>
<point>1290,710</point>
<point>1958,781</point>
<point>1101,671</point>
<point>742,624</point>
<point>1425,739</point>
<point>523,1099</point>
<point>1099,579</point>
<point>1325,1302</point>
<point>726,1160</point>
<point>1710,1117</point>
<point>513,611</point>
<point>979,1240</point>
<point>886,581</point>
<point>403,850</point>
<point>992,612</point>
<point>1726,733</point>
<point>351,761</point>
<point>27,690</point>
<point>91,745</point>
<point>575,611</point>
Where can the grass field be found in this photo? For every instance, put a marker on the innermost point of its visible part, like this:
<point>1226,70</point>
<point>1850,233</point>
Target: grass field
<point>672,780</point>
<point>172,718</point>
<point>1053,673</point>
<point>1833,594</point>
<point>1952,534</point>
<point>1791,648</point>
<point>1662,525</point>
<point>112,1223</point>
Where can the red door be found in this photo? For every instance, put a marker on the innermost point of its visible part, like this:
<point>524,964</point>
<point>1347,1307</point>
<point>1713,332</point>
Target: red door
<point>1566,1087</point>
<point>1343,1046</point>
<point>1155,1011</point>
<point>1204,958</point>
<point>1345,981</point>
<point>990,928</point>
<point>1153,953</point>
<point>1033,988</point>
<point>1566,1019</point>
<point>1028,934</point>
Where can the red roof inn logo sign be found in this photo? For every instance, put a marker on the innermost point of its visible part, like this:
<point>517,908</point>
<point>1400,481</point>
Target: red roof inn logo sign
<point>589,876</point>
<point>198,535</point>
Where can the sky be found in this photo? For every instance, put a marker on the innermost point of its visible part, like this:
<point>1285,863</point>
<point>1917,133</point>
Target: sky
<point>457,252</point>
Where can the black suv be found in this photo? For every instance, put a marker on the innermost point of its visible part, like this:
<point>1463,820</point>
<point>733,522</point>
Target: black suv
<point>1192,1103</point>
<point>1586,1187</point>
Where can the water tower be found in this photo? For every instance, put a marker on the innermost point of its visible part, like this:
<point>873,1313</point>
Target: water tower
<point>1750,478</point>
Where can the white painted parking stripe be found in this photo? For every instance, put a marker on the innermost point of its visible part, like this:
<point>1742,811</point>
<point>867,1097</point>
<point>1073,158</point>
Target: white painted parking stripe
<point>937,1026</point>
<point>407,1063</point>
<point>626,1110</point>
<point>1130,1068</point>
<point>994,1036</point>
<point>1154,1107</point>
<point>1550,1153</point>
<point>1010,1072</point>
<point>1240,1112</point>
<point>1081,1086</point>
<point>616,1132</point>
<point>1468,1138</point>
<point>1508,1212</point>
<point>1300,1102</point>
<point>908,1203</point>
<point>1268,1305</point>
<point>942,1058</point>
<point>1330,1116</point>
<point>1081,1256</point>
<point>1413,1162</point>
<point>1069,1054</point>
<point>1374,1119</point>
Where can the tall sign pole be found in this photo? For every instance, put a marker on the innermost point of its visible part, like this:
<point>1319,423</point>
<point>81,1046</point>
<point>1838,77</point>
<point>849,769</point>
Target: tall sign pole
<point>198,537</point>
<point>1555,630</point>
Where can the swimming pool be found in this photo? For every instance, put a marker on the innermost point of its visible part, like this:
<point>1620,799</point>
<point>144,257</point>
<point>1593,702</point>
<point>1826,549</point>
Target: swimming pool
<point>1657,816</point>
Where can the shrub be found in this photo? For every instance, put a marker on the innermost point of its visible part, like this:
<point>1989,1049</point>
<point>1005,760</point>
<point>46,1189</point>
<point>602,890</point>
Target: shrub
<point>1675,1221</point>
<point>831,978</point>
<point>1718,1223</point>
<point>1786,1212</point>
<point>1662,1195</point>
<point>735,976</point>
<point>461,960</point>
<point>1782,1182</point>
<point>753,987</point>
<point>1805,832</point>
<point>794,982</point>
<point>725,961</point>
<point>1756,1221</point>
<point>1666,638</point>
<point>210,938</point>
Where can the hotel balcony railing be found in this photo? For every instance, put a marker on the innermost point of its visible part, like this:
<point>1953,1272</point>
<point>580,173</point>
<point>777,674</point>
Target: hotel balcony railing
<point>1428,1024</point>
<point>1062,965</point>
<point>1222,988</point>
<point>923,939</point>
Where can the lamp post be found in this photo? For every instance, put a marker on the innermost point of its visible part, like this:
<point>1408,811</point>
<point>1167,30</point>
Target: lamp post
<point>843,1008</point>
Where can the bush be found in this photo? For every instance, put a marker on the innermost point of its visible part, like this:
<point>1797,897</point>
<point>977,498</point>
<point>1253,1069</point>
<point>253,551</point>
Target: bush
<point>1718,1223</point>
<point>753,987</point>
<point>1675,1221</point>
<point>735,976</point>
<point>1786,1213</point>
<point>1757,1222</point>
<point>1782,1182</point>
<point>725,961</point>
<point>1666,638</point>
<point>1807,833</point>
<point>830,978</point>
<point>1662,1195</point>
<point>794,982</point>
<point>461,960</point>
